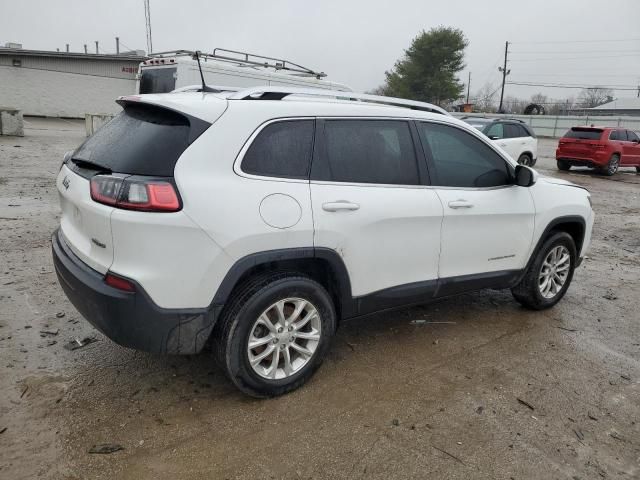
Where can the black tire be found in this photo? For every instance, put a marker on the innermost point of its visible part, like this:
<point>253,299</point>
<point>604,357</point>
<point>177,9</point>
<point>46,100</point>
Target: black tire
<point>232,331</point>
<point>563,165</point>
<point>527,292</point>
<point>525,159</point>
<point>612,166</point>
<point>637,169</point>
<point>533,162</point>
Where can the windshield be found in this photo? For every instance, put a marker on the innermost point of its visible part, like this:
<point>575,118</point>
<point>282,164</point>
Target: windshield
<point>157,80</point>
<point>479,123</point>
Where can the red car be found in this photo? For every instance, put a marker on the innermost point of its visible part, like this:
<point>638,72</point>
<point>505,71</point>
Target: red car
<point>603,148</point>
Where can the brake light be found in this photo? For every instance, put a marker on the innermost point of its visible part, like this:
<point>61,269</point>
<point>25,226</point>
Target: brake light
<point>135,193</point>
<point>119,282</point>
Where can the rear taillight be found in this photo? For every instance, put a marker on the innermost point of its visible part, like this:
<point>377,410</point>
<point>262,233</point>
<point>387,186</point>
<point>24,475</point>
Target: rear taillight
<point>119,282</point>
<point>135,193</point>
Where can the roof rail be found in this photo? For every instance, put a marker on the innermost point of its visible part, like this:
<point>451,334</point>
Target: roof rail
<point>278,93</point>
<point>244,58</point>
<point>198,88</point>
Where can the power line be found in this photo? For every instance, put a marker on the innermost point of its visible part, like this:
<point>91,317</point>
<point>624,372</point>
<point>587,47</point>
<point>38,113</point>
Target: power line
<point>572,58</point>
<point>632,39</point>
<point>550,85</point>
<point>527,52</point>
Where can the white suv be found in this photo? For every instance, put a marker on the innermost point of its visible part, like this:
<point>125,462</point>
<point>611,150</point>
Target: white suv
<point>514,136</point>
<point>257,220</point>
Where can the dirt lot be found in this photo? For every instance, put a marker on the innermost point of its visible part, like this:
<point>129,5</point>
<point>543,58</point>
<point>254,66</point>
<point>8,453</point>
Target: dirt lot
<point>499,392</point>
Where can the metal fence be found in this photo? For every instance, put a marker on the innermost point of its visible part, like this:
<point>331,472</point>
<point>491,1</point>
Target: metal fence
<point>555,126</point>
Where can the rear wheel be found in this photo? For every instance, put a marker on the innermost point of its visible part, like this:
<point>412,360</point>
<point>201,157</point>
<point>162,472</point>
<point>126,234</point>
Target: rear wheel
<point>637,169</point>
<point>563,165</point>
<point>275,334</point>
<point>525,159</point>
<point>549,274</point>
<point>612,166</point>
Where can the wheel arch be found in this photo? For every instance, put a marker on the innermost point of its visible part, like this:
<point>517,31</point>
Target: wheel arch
<point>574,225</point>
<point>323,265</point>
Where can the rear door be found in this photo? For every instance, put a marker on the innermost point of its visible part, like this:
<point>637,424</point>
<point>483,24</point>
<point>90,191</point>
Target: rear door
<point>488,221</point>
<point>371,204</point>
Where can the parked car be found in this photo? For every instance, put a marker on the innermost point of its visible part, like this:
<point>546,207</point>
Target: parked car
<point>257,221</point>
<point>603,148</point>
<point>513,136</point>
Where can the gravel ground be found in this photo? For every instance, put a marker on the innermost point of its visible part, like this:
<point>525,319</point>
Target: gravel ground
<point>497,392</point>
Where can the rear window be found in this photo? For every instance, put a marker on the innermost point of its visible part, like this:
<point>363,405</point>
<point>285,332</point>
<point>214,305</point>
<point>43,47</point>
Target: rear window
<point>584,133</point>
<point>141,140</point>
<point>157,80</point>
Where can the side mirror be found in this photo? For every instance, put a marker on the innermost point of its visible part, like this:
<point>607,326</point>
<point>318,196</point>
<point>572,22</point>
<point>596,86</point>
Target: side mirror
<point>525,176</point>
<point>494,137</point>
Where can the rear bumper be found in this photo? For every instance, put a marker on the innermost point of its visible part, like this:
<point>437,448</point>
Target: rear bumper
<point>132,320</point>
<point>596,160</point>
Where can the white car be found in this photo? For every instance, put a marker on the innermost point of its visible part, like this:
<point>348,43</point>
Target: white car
<point>258,220</point>
<point>513,136</point>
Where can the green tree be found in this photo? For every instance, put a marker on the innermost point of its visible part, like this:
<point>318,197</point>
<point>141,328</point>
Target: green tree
<point>428,71</point>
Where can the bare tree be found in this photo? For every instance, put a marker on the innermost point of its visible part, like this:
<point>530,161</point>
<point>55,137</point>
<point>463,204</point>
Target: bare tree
<point>593,97</point>
<point>381,90</point>
<point>539,99</point>
<point>484,99</point>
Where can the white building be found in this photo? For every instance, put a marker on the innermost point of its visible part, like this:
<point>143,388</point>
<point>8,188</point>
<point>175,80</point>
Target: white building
<point>64,84</point>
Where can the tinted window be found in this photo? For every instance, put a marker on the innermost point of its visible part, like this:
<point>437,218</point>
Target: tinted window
<point>614,135</point>
<point>367,151</point>
<point>632,136</point>
<point>142,140</point>
<point>622,135</point>
<point>513,131</point>
<point>460,159</point>
<point>157,80</point>
<point>584,133</point>
<point>523,131</point>
<point>496,130</point>
<point>281,149</point>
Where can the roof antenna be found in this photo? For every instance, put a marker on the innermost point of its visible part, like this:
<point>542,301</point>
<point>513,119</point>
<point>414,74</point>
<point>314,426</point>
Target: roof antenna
<point>204,85</point>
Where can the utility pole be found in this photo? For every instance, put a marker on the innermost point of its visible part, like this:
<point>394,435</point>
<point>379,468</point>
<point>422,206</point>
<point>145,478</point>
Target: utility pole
<point>505,72</point>
<point>117,45</point>
<point>67,48</point>
<point>147,17</point>
<point>96,47</point>
<point>85,49</point>
<point>468,87</point>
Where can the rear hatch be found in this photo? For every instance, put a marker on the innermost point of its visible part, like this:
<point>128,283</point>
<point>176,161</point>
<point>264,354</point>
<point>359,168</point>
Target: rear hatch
<point>581,141</point>
<point>128,163</point>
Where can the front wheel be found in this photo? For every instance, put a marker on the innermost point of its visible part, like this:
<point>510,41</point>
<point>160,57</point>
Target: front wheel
<point>549,274</point>
<point>275,334</point>
<point>525,159</point>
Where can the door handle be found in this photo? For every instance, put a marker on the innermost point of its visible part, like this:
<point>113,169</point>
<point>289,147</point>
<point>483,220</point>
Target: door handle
<point>460,204</point>
<point>339,205</point>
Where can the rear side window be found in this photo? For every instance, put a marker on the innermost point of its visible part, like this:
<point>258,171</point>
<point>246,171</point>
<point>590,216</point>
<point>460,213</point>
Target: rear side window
<point>157,80</point>
<point>141,140</point>
<point>281,149</point>
<point>367,151</point>
<point>584,133</point>
<point>614,135</point>
<point>513,131</point>
<point>462,160</point>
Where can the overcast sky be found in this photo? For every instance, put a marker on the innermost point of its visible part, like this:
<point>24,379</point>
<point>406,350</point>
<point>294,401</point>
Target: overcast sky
<point>355,41</point>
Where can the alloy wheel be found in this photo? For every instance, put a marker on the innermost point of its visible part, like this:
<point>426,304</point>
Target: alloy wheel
<point>554,271</point>
<point>284,338</point>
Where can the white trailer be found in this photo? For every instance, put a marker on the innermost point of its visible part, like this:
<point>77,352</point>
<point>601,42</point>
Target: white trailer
<point>167,71</point>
